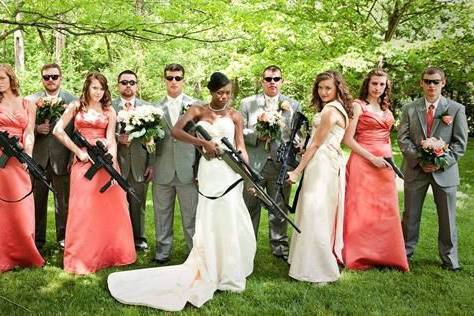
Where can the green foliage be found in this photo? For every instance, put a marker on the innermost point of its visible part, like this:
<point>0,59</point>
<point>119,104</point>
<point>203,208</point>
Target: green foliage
<point>241,37</point>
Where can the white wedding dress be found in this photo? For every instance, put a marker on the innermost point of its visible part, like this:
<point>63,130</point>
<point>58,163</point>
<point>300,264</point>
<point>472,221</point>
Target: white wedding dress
<point>223,244</point>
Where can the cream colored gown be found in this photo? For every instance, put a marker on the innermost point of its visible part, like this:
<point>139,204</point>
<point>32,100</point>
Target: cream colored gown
<point>314,252</point>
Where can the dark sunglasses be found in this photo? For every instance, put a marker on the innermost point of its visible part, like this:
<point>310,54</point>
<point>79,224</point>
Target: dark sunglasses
<point>177,78</point>
<point>269,79</point>
<point>430,81</point>
<point>47,77</point>
<point>128,82</point>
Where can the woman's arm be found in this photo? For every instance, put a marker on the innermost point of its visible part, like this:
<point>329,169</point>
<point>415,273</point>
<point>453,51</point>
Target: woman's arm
<point>29,131</point>
<point>62,136</point>
<point>350,141</point>
<point>329,117</point>
<point>239,135</point>
<point>178,132</point>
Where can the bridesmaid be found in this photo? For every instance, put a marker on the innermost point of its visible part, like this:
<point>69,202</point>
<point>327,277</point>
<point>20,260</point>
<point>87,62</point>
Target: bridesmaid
<point>99,232</point>
<point>315,252</point>
<point>17,219</point>
<point>372,230</point>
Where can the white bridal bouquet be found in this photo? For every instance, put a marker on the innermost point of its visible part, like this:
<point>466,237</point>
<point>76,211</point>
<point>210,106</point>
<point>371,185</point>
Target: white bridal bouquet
<point>269,125</point>
<point>144,123</point>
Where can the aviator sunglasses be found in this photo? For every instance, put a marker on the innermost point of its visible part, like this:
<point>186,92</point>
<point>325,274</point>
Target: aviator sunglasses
<point>269,79</point>
<point>47,77</point>
<point>177,78</point>
<point>431,81</point>
<point>128,82</point>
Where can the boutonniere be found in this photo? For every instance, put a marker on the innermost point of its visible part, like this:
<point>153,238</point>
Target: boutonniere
<point>284,106</point>
<point>446,118</point>
<point>184,109</point>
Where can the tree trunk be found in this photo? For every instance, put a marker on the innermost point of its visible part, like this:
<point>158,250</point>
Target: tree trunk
<point>19,46</point>
<point>59,46</point>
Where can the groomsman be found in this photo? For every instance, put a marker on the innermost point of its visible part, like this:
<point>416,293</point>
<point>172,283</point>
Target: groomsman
<point>262,152</point>
<point>432,116</point>
<point>173,169</point>
<point>136,164</point>
<point>54,158</point>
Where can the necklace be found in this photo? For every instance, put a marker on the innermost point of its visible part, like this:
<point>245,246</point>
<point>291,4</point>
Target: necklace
<point>217,110</point>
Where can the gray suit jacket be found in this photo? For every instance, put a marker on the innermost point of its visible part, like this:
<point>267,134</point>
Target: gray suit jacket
<point>412,131</point>
<point>47,147</point>
<point>133,158</point>
<point>251,107</point>
<point>173,155</point>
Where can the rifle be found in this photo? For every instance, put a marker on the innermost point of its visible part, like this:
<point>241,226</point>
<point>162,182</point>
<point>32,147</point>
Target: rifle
<point>394,167</point>
<point>286,155</point>
<point>102,159</point>
<point>11,148</point>
<point>234,160</point>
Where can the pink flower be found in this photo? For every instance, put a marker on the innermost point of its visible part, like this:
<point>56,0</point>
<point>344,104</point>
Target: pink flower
<point>40,102</point>
<point>447,119</point>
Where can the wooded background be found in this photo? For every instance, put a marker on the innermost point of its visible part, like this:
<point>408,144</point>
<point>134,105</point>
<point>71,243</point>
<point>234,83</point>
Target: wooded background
<point>240,38</point>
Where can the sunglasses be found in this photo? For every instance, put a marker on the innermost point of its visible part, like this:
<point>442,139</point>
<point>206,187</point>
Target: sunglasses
<point>47,77</point>
<point>270,79</point>
<point>177,78</point>
<point>430,81</point>
<point>127,82</point>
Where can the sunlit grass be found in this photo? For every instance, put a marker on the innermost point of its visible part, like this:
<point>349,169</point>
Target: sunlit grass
<point>427,289</point>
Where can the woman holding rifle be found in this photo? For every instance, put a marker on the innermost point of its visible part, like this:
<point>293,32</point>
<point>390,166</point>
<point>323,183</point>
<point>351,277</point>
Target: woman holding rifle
<point>99,231</point>
<point>17,217</point>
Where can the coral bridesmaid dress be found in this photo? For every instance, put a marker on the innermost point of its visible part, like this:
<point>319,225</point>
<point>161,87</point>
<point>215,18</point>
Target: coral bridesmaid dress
<point>17,220</point>
<point>99,231</point>
<point>372,228</point>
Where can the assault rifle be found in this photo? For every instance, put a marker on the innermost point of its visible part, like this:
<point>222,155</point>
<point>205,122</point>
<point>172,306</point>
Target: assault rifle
<point>394,167</point>
<point>286,155</point>
<point>11,148</point>
<point>102,159</point>
<point>234,160</point>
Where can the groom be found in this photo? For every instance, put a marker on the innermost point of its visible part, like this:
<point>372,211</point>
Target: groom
<point>262,152</point>
<point>432,116</point>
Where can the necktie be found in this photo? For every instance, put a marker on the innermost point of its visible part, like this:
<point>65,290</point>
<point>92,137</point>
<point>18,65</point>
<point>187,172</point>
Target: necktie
<point>128,106</point>
<point>429,120</point>
<point>174,111</point>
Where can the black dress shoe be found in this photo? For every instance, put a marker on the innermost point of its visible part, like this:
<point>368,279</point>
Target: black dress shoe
<point>450,268</point>
<point>141,246</point>
<point>161,261</point>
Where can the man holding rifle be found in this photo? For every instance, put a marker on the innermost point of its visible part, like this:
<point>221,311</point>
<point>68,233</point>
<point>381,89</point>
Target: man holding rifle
<point>263,152</point>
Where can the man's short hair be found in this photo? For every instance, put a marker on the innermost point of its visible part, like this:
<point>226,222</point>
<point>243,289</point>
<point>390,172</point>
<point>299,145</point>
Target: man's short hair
<point>127,72</point>
<point>433,71</point>
<point>173,67</point>
<point>272,68</point>
<point>49,66</point>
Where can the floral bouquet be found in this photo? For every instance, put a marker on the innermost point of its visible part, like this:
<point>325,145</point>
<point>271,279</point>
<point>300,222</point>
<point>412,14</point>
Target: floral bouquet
<point>269,125</point>
<point>144,123</point>
<point>49,109</point>
<point>433,151</point>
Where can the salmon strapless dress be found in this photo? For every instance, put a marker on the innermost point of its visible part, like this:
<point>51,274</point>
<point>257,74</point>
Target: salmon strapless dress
<point>99,231</point>
<point>17,220</point>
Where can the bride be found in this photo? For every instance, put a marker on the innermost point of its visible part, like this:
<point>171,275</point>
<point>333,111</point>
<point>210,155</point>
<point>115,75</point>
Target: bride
<point>224,243</point>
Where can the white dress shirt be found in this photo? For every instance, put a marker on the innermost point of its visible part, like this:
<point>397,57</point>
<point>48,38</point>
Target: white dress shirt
<point>174,107</point>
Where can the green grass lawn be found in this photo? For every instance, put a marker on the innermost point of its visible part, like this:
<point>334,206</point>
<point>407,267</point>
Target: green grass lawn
<point>426,289</point>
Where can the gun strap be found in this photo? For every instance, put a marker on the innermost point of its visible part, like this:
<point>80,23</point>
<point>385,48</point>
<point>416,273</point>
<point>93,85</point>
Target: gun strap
<point>22,198</point>
<point>297,194</point>
<point>233,185</point>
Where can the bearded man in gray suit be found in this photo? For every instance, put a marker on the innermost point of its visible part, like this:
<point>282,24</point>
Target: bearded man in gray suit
<point>54,158</point>
<point>136,164</point>
<point>262,152</point>
<point>432,116</point>
<point>173,169</point>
